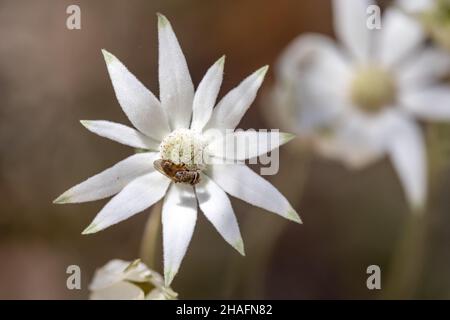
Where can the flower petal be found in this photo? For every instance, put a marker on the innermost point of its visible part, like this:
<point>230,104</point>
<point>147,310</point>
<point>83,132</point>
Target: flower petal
<point>137,196</point>
<point>350,23</point>
<point>217,208</point>
<point>241,145</point>
<point>356,141</point>
<point>120,133</point>
<point>364,139</point>
<point>176,90</point>
<point>118,270</point>
<point>430,104</point>
<point>137,271</point>
<point>230,110</point>
<point>407,152</point>
<point>179,215</point>
<point>313,50</point>
<point>206,95</point>
<point>109,274</point>
<point>241,182</point>
<point>110,181</point>
<point>416,6</point>
<point>119,291</point>
<point>312,72</point>
<point>426,68</point>
<point>393,43</point>
<point>139,104</point>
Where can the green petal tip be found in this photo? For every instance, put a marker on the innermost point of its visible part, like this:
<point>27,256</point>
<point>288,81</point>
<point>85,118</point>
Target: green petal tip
<point>162,20</point>
<point>108,56</point>
<point>85,123</point>
<point>293,216</point>
<point>168,277</point>
<point>221,61</point>
<point>64,198</point>
<point>132,265</point>
<point>239,246</point>
<point>262,71</point>
<point>92,228</point>
<point>286,137</point>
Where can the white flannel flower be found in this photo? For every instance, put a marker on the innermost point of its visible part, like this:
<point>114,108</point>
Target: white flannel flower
<point>434,16</point>
<point>165,130</point>
<point>358,103</point>
<point>125,280</point>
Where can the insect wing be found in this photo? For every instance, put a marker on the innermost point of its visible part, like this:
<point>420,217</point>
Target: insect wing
<point>158,166</point>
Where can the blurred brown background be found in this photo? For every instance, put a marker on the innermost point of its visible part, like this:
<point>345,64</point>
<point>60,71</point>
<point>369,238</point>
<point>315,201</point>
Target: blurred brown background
<point>51,77</point>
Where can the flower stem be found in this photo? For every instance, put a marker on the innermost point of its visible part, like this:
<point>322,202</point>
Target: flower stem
<point>407,262</point>
<point>150,239</point>
<point>249,278</point>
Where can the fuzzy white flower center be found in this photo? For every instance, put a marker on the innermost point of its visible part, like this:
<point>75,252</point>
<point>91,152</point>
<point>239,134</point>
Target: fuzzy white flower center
<point>372,88</point>
<point>184,146</point>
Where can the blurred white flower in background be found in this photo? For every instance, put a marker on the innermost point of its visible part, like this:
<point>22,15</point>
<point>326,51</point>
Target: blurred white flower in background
<point>125,280</point>
<point>418,6</point>
<point>357,100</point>
<point>165,131</point>
<point>434,15</point>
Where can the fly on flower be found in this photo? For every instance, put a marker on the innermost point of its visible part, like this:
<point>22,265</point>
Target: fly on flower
<point>178,173</point>
<point>176,131</point>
